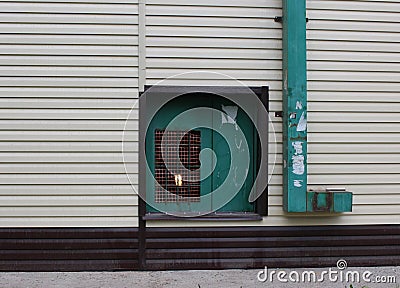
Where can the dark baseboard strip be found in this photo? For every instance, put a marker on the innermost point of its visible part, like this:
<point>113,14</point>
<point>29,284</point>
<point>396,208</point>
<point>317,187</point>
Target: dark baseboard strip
<point>115,249</point>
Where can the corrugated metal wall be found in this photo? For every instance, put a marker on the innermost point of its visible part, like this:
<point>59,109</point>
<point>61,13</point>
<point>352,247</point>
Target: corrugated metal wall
<point>69,75</point>
<point>354,61</point>
<point>234,38</point>
<point>354,81</point>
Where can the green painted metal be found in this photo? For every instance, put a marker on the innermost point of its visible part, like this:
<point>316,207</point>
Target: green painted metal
<point>161,120</point>
<point>319,202</point>
<point>294,106</point>
<point>212,140</point>
<point>343,202</point>
<point>329,202</point>
<point>240,202</point>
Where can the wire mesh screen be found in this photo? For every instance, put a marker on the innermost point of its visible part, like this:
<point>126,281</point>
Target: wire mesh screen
<point>177,152</point>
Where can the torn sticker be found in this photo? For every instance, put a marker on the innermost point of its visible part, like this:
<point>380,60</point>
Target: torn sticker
<point>298,147</point>
<point>302,126</point>
<point>230,114</point>
<point>298,164</point>
<point>298,183</point>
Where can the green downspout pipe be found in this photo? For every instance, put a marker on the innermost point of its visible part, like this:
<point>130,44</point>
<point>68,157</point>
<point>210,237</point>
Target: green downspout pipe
<point>294,106</point>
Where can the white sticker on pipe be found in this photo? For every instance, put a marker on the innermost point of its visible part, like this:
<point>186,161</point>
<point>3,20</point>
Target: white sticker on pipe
<point>302,126</point>
<point>298,164</point>
<point>298,147</point>
<point>297,183</point>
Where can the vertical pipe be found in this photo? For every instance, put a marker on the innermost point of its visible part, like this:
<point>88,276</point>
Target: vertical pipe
<point>294,105</point>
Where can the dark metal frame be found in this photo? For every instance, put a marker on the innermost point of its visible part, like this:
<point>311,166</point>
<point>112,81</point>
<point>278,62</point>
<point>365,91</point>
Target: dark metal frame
<point>261,203</point>
<point>261,207</point>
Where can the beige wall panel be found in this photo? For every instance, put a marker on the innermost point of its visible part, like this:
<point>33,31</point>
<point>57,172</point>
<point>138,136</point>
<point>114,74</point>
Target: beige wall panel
<point>353,65</point>
<point>69,78</point>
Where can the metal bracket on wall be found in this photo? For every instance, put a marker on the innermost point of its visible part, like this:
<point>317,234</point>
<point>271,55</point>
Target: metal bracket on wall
<point>329,201</point>
<point>279,19</point>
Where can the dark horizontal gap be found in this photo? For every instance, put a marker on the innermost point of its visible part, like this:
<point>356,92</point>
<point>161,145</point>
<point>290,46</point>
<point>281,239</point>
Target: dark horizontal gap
<point>90,66</point>
<point>367,230</point>
<point>272,241</point>
<point>58,184</point>
<point>72,130</point>
<point>70,13</point>
<point>80,87</point>
<point>68,265</point>
<point>63,55</point>
<point>72,77</point>
<point>69,34</point>
<point>70,44</point>
<point>135,24</point>
<point>194,25</point>
<point>68,233</point>
<point>68,254</point>
<point>68,173</point>
<point>216,253</point>
<point>56,244</point>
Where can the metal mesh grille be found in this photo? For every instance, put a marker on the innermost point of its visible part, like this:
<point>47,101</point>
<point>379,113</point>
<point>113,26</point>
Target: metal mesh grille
<point>184,184</point>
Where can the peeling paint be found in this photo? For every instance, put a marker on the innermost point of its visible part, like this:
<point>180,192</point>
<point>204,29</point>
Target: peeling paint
<point>299,105</point>
<point>298,164</point>
<point>302,126</point>
<point>298,183</point>
<point>298,147</point>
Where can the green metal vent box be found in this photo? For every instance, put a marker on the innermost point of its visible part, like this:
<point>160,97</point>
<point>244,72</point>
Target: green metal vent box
<point>331,202</point>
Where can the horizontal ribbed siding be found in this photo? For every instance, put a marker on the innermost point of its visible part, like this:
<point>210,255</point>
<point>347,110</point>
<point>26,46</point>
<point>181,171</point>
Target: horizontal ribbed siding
<point>69,77</point>
<point>353,96</point>
<point>353,79</point>
<point>353,82</point>
<point>232,38</point>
